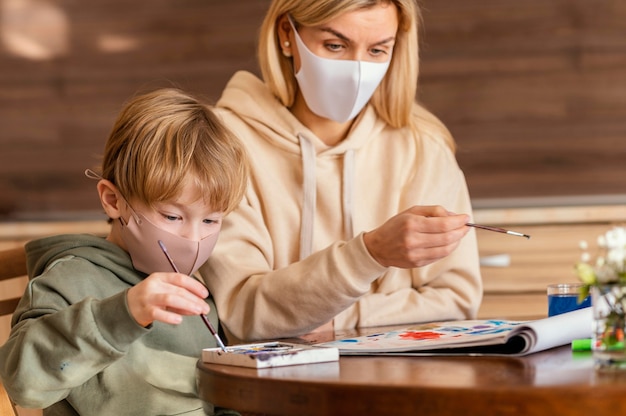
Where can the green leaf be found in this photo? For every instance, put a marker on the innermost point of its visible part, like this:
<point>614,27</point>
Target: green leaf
<point>586,273</point>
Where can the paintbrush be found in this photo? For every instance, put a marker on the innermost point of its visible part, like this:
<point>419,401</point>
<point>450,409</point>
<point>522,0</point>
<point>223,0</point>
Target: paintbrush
<point>497,230</point>
<point>204,318</point>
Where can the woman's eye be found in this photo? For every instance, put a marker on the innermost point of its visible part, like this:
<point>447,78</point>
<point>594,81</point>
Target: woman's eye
<point>378,52</point>
<point>333,46</point>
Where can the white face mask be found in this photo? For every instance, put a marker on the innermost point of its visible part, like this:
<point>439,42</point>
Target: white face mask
<point>333,88</point>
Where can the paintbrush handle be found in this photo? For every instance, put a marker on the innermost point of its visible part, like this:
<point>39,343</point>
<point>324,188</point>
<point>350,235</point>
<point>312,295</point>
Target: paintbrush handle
<point>204,318</point>
<point>497,229</point>
<point>213,332</point>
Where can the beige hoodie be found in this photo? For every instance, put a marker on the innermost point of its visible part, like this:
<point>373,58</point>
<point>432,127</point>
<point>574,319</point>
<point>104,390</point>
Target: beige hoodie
<point>291,257</point>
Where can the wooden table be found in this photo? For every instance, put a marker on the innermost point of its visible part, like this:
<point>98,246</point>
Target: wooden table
<point>553,382</point>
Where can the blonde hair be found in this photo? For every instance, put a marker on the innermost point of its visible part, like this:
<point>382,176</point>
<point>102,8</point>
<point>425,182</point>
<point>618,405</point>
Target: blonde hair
<point>394,100</point>
<point>161,139</point>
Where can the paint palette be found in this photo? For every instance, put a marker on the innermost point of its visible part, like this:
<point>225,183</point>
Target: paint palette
<point>269,354</point>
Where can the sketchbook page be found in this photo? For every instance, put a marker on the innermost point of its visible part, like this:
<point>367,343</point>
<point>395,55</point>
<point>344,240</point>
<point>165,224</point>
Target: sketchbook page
<point>559,329</point>
<point>269,354</point>
<point>478,337</point>
<point>430,337</point>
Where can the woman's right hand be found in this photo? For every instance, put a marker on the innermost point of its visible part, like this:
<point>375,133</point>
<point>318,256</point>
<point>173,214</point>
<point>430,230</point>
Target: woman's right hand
<point>165,297</point>
<point>416,237</point>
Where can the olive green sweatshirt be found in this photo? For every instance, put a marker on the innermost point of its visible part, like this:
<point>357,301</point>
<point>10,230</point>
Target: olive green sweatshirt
<point>74,347</point>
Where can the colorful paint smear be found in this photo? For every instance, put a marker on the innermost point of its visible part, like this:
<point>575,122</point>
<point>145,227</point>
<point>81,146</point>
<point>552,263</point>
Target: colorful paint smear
<point>420,335</point>
<point>263,350</point>
<point>428,335</point>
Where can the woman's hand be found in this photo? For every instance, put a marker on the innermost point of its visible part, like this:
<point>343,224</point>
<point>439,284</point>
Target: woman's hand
<point>416,237</point>
<point>165,297</point>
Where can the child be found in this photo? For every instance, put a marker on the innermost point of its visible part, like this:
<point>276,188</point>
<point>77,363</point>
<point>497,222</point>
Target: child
<point>105,326</point>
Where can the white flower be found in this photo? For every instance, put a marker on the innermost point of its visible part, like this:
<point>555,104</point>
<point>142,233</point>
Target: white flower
<point>616,238</point>
<point>605,275</point>
<point>610,265</point>
<point>615,257</point>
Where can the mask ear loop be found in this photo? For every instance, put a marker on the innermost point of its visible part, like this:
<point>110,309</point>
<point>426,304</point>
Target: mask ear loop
<point>93,175</point>
<point>96,176</point>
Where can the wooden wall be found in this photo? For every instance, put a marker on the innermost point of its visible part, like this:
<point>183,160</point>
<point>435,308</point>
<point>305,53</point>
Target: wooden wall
<point>67,67</point>
<point>534,91</point>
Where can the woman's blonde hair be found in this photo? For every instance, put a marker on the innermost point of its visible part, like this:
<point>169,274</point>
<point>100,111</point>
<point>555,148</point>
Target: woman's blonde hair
<point>165,137</point>
<point>394,100</point>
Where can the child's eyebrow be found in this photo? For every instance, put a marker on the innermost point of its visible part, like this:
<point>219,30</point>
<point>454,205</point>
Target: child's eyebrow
<point>166,205</point>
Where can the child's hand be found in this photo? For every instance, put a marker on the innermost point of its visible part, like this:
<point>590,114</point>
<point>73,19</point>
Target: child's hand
<point>165,297</point>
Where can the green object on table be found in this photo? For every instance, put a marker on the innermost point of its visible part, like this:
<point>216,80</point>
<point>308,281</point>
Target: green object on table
<point>581,344</point>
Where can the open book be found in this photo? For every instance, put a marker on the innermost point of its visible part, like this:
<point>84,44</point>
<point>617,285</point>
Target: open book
<point>480,337</point>
<point>269,354</point>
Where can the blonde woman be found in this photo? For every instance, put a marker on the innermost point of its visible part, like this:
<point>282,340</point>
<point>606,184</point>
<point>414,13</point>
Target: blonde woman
<point>356,209</point>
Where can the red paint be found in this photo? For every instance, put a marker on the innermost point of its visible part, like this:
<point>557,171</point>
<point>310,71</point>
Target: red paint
<point>420,335</point>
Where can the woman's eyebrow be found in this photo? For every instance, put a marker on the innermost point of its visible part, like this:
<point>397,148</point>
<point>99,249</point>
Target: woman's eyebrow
<point>345,38</point>
<point>335,33</point>
<point>387,40</point>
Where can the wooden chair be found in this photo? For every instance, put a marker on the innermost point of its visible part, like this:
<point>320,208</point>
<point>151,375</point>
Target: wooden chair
<point>12,265</point>
<point>6,405</point>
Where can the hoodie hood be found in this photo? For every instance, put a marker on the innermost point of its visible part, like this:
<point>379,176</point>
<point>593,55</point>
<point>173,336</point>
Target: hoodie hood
<point>42,253</point>
<point>250,99</point>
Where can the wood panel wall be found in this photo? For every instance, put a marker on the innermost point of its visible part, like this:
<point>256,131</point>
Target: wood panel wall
<point>533,91</point>
<point>67,67</point>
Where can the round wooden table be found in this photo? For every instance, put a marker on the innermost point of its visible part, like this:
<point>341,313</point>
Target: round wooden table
<point>553,382</point>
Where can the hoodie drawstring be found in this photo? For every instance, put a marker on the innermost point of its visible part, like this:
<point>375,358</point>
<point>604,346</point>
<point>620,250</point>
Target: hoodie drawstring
<point>347,197</point>
<point>308,188</point>
<point>309,195</point>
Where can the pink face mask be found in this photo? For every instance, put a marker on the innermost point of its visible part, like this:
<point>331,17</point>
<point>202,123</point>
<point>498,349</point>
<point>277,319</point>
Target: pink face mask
<point>141,238</point>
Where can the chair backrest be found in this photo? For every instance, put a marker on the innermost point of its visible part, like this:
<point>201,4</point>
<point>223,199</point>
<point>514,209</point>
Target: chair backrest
<point>6,405</point>
<point>12,265</point>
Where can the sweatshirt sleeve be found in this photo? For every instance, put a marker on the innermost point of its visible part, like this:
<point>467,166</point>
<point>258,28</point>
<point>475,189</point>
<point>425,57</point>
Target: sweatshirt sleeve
<point>256,302</point>
<point>263,291</point>
<point>449,289</point>
<point>54,347</point>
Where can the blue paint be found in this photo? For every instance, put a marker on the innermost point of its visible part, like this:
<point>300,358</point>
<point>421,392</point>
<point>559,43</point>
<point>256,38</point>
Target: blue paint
<point>561,303</point>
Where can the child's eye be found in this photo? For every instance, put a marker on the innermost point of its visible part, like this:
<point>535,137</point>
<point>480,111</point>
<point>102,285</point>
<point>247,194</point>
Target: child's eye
<point>211,221</point>
<point>171,217</point>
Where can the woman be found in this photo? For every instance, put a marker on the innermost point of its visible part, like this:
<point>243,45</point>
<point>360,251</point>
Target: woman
<point>349,217</point>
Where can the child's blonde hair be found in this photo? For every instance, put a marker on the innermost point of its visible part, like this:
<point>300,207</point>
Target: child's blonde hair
<point>163,138</point>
